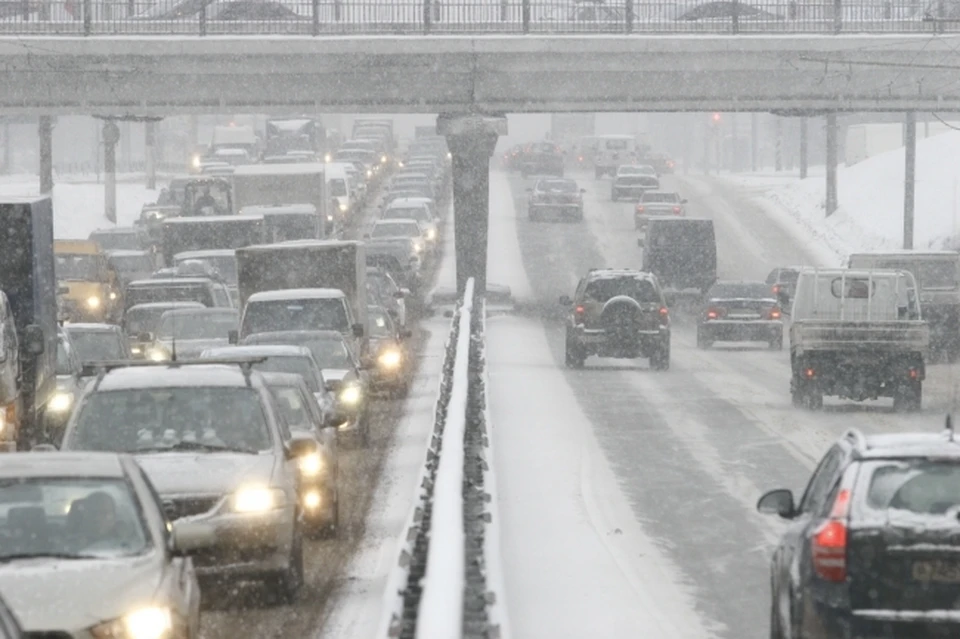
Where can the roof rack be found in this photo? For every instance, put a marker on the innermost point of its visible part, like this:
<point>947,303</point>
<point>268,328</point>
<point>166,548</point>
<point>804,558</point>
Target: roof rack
<point>102,368</point>
<point>948,429</point>
<point>857,438</point>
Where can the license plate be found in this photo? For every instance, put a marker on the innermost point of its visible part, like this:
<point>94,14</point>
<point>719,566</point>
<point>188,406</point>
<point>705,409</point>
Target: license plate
<point>937,571</point>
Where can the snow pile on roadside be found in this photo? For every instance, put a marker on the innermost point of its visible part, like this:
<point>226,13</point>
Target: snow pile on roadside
<point>78,208</point>
<point>870,216</point>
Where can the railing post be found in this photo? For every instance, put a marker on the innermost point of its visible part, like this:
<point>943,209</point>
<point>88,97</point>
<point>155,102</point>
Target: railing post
<point>25,7</point>
<point>315,8</point>
<point>427,16</point>
<point>837,16</point>
<point>87,16</point>
<point>203,20</point>
<point>940,15</point>
<point>628,14</point>
<point>525,15</point>
<point>735,19</point>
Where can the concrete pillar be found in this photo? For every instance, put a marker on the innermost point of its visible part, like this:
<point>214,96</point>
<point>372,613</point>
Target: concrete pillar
<point>7,148</point>
<point>754,140</point>
<point>803,148</point>
<point>471,140</point>
<point>111,135</point>
<point>150,152</point>
<point>832,202</point>
<point>778,144</point>
<point>909,176</point>
<point>46,153</point>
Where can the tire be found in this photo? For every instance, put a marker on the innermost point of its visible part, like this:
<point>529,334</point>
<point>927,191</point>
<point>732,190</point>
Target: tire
<point>806,394</point>
<point>702,342</point>
<point>814,397</point>
<point>331,526</point>
<point>776,625</point>
<point>288,584</point>
<point>573,356</point>
<point>533,216</point>
<point>363,430</point>
<point>660,359</point>
<point>776,344</point>
<point>908,397</point>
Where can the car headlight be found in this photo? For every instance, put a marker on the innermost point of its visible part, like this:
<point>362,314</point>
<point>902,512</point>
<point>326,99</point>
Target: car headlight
<point>418,247</point>
<point>310,465</point>
<point>258,500</point>
<point>158,354</point>
<point>351,395</point>
<point>136,350</point>
<point>369,173</point>
<point>146,623</point>
<point>93,301</point>
<point>61,402</point>
<point>329,218</point>
<point>431,234</point>
<point>343,207</point>
<point>390,359</point>
<point>328,157</point>
<point>383,159</point>
<point>113,295</point>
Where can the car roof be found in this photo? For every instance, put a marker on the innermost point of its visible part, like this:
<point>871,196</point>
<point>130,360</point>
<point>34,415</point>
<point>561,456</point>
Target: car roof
<point>201,310</point>
<point>652,192</point>
<point>198,255</point>
<point>331,335</point>
<point>171,281</point>
<point>166,305</point>
<point>274,209</point>
<point>290,294</point>
<point>905,445</point>
<point>905,253</point>
<point>283,379</point>
<point>616,273</point>
<point>300,168</point>
<point>213,219</point>
<point>404,202</point>
<point>173,376</point>
<point>395,221</point>
<point>295,244</point>
<point>259,350</point>
<point>117,230</point>
<point>127,253</point>
<point>90,327</point>
<point>61,464</point>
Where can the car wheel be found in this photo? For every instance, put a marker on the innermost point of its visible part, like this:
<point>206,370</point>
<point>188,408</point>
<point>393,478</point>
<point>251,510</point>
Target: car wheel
<point>532,215</point>
<point>332,520</point>
<point>776,626</point>
<point>660,359</point>
<point>573,355</point>
<point>908,397</point>
<point>776,344</point>
<point>702,342</point>
<point>287,585</point>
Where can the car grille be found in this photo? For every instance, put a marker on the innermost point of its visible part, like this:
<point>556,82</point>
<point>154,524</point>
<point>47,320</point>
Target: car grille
<point>179,507</point>
<point>48,634</point>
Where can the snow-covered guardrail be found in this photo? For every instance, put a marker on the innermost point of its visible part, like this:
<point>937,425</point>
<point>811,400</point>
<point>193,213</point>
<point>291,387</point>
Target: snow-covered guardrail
<point>447,581</point>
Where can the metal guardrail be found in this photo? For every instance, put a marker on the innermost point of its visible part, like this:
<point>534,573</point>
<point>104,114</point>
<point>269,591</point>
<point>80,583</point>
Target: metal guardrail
<point>421,17</point>
<point>447,582</point>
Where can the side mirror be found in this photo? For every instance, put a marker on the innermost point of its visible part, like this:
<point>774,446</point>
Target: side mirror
<point>145,337</point>
<point>777,502</point>
<point>233,337</point>
<point>63,290</point>
<point>399,294</point>
<point>406,333</point>
<point>301,447</point>
<point>33,339</point>
<point>565,300</point>
<point>683,201</point>
<point>357,330</point>
<point>784,298</point>
<point>190,536</point>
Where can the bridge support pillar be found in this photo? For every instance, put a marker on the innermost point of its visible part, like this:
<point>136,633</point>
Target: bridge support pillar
<point>45,131</point>
<point>832,199</point>
<point>909,177</point>
<point>803,148</point>
<point>471,140</point>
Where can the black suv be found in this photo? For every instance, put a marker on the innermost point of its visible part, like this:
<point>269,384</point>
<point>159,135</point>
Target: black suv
<point>618,313</point>
<point>873,547</point>
<point>542,158</point>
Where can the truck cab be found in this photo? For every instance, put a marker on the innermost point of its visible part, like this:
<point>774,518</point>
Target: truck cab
<point>93,285</point>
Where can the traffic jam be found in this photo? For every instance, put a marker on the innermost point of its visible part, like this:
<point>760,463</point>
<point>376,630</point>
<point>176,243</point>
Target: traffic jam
<point>186,387</point>
<point>868,550</point>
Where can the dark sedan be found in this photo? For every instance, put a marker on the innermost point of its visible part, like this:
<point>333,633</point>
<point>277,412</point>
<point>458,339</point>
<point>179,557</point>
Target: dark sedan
<point>740,312</point>
<point>542,158</point>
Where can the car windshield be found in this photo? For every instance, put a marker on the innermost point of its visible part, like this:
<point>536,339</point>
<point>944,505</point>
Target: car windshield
<point>641,290</point>
<point>225,265</point>
<point>182,325</point>
<point>295,315</point>
<point>143,320</point>
<point>292,406</point>
<point>168,293</point>
<point>557,186</point>
<point>736,290</point>
<point>132,263</point>
<point>660,197</point>
<point>395,230</point>
<point>97,346</point>
<point>338,187</point>
<point>165,419</point>
<point>418,213</point>
<point>116,241</point>
<point>920,486</point>
<point>379,324</point>
<point>330,352</point>
<point>64,518</point>
<point>291,364</point>
<point>82,267</point>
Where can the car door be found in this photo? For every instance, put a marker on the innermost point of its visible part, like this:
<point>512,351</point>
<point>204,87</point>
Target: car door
<point>790,572</point>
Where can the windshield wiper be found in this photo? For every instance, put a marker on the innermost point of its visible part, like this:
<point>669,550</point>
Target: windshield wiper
<point>45,555</point>
<point>188,445</point>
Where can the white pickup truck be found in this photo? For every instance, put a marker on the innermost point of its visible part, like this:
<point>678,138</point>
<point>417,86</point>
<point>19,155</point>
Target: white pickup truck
<point>858,335</point>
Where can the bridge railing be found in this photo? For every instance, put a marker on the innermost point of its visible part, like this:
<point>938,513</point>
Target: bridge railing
<point>419,17</point>
<point>447,582</point>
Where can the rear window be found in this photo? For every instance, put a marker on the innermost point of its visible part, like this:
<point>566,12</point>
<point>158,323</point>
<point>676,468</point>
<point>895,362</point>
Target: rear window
<point>660,197</point>
<point>739,291</point>
<point>680,233</point>
<point>640,290</point>
<point>172,293</point>
<point>919,487</point>
<point>295,315</point>
<point>616,145</point>
<point>557,186</point>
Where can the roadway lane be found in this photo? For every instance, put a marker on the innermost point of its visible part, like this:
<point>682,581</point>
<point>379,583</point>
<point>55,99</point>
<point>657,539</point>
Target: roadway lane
<point>693,448</point>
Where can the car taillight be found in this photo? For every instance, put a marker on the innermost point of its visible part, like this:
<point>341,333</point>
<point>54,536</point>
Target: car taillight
<point>639,208</point>
<point>914,373</point>
<point>715,313</point>
<point>773,313</point>
<point>578,313</point>
<point>580,158</point>
<point>670,163</point>
<point>829,542</point>
<point>776,289</point>
<point>664,316</point>
<point>676,210</point>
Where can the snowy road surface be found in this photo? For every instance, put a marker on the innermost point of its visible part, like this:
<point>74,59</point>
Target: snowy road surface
<point>628,496</point>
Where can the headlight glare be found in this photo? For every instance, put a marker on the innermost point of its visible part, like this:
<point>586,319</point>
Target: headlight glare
<point>158,355</point>
<point>350,395</point>
<point>343,207</point>
<point>113,295</point>
<point>431,234</point>
<point>310,465</point>
<point>258,500</point>
<point>61,402</point>
<point>146,623</point>
<point>390,359</point>
<point>93,301</point>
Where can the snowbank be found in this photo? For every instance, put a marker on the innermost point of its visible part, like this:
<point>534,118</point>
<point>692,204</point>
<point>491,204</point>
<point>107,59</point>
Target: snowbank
<point>78,208</point>
<point>870,216</point>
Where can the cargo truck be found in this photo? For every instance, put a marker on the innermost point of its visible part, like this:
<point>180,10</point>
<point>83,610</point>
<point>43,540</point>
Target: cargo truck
<point>28,319</point>
<point>210,232</point>
<point>275,185</point>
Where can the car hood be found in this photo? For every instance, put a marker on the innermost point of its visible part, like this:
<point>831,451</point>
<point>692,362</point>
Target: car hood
<point>191,348</point>
<point>205,473</point>
<point>48,594</point>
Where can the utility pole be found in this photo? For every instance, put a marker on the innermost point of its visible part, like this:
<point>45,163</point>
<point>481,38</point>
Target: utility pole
<point>778,144</point>
<point>909,176</point>
<point>832,199</point>
<point>754,140</point>
<point>111,135</point>
<point>803,148</point>
<point>149,151</point>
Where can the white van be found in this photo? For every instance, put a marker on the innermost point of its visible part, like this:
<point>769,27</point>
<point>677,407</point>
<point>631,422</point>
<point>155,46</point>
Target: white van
<point>613,151</point>
<point>338,189</point>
